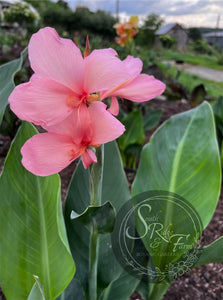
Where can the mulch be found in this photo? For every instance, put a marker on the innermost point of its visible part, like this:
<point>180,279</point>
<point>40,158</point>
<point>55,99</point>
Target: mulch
<point>205,282</point>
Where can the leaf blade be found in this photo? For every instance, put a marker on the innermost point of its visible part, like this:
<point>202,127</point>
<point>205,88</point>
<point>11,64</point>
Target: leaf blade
<point>34,242</point>
<point>211,253</point>
<point>177,158</point>
<point>7,73</point>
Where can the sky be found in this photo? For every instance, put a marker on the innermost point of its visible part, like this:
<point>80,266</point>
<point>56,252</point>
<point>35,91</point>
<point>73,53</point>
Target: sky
<point>188,12</point>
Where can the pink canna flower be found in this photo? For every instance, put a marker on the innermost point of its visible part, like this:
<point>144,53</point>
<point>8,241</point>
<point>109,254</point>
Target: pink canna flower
<point>138,88</point>
<point>63,96</point>
<point>48,153</point>
<point>63,80</point>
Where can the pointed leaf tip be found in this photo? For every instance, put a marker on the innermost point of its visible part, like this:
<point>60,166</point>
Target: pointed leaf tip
<point>87,49</point>
<point>75,42</point>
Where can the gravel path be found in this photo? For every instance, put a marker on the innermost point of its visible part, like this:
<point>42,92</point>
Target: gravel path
<point>203,72</point>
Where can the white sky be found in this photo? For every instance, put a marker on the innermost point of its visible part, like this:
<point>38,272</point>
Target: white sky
<point>188,12</point>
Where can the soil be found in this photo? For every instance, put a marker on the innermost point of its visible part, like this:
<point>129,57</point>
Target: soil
<point>205,282</point>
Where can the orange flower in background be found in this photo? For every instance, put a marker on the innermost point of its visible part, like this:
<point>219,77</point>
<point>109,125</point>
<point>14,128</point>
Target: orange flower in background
<point>126,31</point>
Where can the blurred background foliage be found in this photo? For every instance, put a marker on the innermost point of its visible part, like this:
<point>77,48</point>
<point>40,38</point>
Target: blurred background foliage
<point>76,23</point>
<point>146,35</point>
<point>164,62</point>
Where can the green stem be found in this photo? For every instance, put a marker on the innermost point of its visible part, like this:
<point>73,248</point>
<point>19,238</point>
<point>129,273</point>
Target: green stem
<point>157,290</point>
<point>93,263</point>
<point>96,176</point>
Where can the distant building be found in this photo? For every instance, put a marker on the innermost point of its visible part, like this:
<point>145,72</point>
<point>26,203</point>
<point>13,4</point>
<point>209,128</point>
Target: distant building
<point>214,38</point>
<point>176,31</point>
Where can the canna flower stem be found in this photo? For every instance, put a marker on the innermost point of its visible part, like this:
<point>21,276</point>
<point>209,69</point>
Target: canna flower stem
<point>93,263</point>
<point>157,290</point>
<point>96,176</point>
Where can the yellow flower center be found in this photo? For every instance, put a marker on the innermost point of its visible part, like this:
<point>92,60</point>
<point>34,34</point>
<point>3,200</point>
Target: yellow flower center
<point>92,98</point>
<point>73,102</point>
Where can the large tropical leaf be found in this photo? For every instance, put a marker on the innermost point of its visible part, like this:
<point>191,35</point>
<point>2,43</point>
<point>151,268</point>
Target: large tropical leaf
<point>102,217</point>
<point>212,253</point>
<point>121,287</point>
<point>218,114</point>
<point>7,73</point>
<point>37,291</point>
<point>134,133</point>
<point>73,291</point>
<point>32,237</point>
<point>151,119</point>
<point>130,143</point>
<point>183,157</point>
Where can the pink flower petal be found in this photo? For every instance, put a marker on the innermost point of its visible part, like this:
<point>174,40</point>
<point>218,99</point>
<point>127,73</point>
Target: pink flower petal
<point>142,88</point>
<point>66,127</point>
<point>88,157</point>
<point>114,107</point>
<point>83,130</point>
<point>41,101</point>
<point>77,125</point>
<point>133,66</point>
<point>105,127</point>
<point>60,59</point>
<point>45,154</point>
<point>103,70</point>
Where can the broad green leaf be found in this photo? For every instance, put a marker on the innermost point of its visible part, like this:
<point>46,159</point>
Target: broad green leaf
<point>37,292</point>
<point>102,217</point>
<point>209,254</point>
<point>134,133</point>
<point>143,288</point>
<point>212,253</point>
<point>153,291</point>
<point>121,288</point>
<point>32,236</point>
<point>130,155</point>
<point>114,190</point>
<point>160,219</point>
<point>7,73</point>
<point>131,141</point>
<point>218,114</point>
<point>221,154</point>
<point>182,157</point>
<point>74,291</point>
<point>218,108</point>
<point>10,123</point>
<point>151,119</point>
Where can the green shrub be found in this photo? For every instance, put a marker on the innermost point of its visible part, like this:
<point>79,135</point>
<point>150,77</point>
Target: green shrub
<point>220,58</point>
<point>202,47</point>
<point>7,38</point>
<point>167,41</point>
<point>194,34</point>
<point>20,13</point>
<point>146,35</point>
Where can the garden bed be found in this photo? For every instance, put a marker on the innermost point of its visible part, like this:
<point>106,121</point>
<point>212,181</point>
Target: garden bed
<point>205,282</point>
